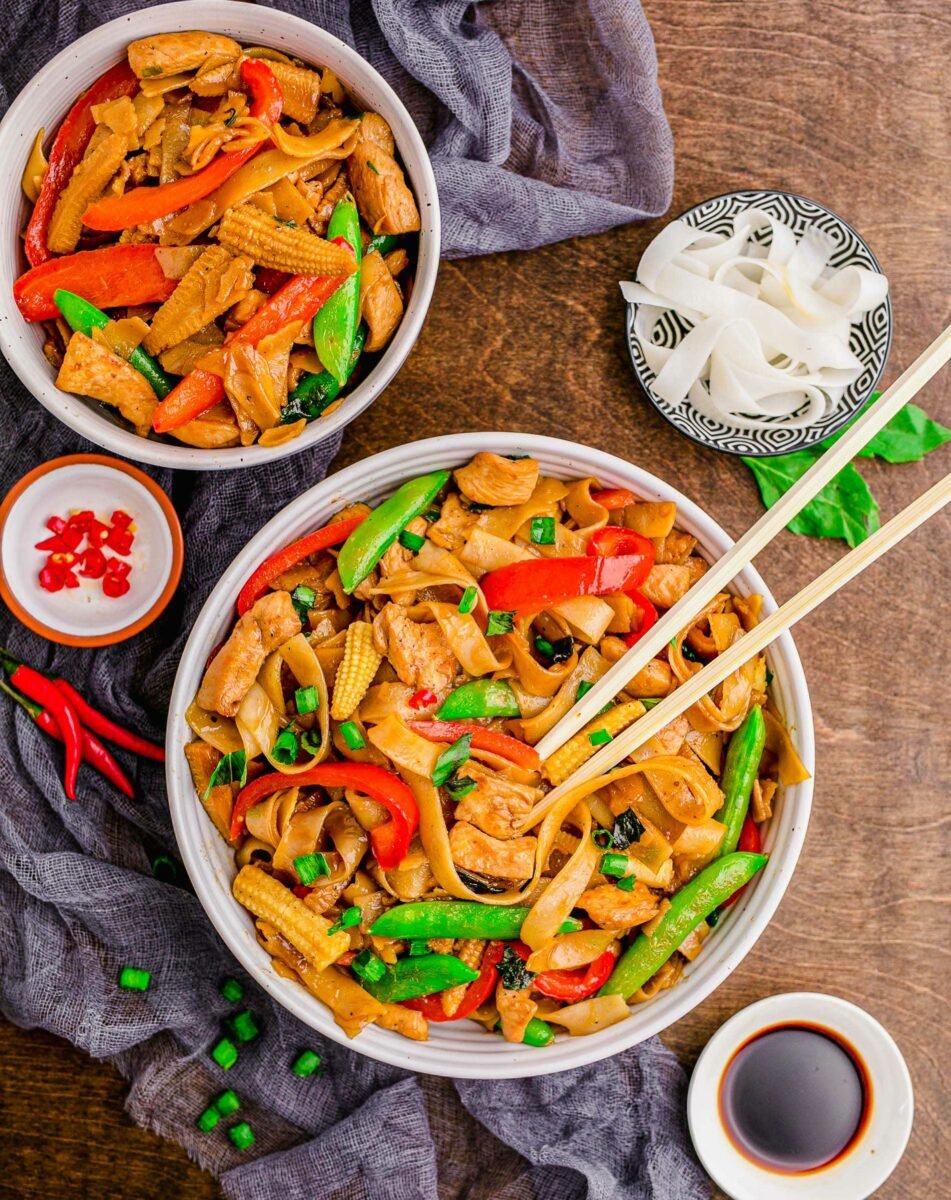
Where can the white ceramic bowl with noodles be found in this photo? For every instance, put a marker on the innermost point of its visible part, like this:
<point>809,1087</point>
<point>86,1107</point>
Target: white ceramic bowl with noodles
<point>45,101</point>
<point>463,1049</point>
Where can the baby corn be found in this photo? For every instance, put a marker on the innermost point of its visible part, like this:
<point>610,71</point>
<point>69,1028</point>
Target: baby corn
<point>270,900</point>
<point>580,748</point>
<point>86,183</point>
<point>209,287</point>
<point>361,659</point>
<point>273,243</point>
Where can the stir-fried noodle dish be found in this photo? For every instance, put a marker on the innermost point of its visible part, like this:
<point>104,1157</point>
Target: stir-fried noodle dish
<point>219,242</point>
<point>365,742</point>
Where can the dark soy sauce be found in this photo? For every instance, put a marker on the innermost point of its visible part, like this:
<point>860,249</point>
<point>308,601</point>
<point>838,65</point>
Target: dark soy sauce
<point>794,1098</point>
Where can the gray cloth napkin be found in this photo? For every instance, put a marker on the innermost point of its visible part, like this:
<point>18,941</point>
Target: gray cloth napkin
<point>545,121</point>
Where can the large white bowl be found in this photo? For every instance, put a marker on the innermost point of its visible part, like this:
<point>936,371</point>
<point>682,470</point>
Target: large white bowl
<point>45,101</point>
<point>462,1049</point>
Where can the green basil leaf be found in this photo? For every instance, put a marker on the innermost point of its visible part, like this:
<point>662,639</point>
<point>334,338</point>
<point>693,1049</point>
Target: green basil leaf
<point>232,768</point>
<point>452,759</point>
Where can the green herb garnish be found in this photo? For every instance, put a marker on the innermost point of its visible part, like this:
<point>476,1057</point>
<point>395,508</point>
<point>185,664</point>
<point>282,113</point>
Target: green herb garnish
<point>451,759</point>
<point>232,768</point>
<point>499,621</point>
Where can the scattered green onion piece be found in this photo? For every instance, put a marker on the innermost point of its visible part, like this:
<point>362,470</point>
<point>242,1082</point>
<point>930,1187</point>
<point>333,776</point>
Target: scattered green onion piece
<point>306,699</point>
<point>306,1064</point>
<point>310,741</point>
<point>303,598</point>
<point>310,866</point>
<point>499,621</point>
<point>451,759</point>
<point>368,967</point>
<point>225,1053</point>
<point>614,865</point>
<point>165,869</point>
<point>286,747</point>
<point>468,601</point>
<point>244,1027</point>
<point>542,531</point>
<point>232,768</point>
<point>602,839</point>
<point>431,515</point>
<point>599,737</point>
<point>457,788</point>
<point>418,947</point>
<point>347,919</point>
<point>241,1136</point>
<point>627,883</point>
<point>411,541</point>
<point>673,640</point>
<point>352,736</point>
<point>651,701</point>
<point>134,979</point>
<point>208,1120</point>
<point>584,687</point>
<point>232,991</point>
<point>227,1103</point>
<point>544,646</point>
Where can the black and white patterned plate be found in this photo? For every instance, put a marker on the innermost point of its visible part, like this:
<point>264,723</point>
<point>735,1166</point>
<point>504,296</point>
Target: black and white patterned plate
<point>870,339</point>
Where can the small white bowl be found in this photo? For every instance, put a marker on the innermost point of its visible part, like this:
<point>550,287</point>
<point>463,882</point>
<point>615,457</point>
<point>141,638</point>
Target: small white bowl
<point>45,101</point>
<point>874,1154</point>
<point>462,1049</point>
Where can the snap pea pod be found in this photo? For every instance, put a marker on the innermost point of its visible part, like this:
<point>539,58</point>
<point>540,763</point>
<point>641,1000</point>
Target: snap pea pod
<point>384,242</point>
<point>364,548</point>
<point>456,918</point>
<point>411,977</point>
<point>84,317</point>
<point>739,775</point>
<point>480,698</point>
<point>538,1033</point>
<point>335,323</point>
<point>315,393</point>
<point>691,905</point>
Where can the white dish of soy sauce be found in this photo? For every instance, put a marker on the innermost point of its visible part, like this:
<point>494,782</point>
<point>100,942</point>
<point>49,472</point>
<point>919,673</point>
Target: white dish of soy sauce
<point>801,1096</point>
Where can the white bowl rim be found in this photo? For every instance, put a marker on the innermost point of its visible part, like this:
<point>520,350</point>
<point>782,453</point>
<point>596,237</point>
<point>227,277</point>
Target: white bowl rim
<point>195,832</point>
<point>102,46</point>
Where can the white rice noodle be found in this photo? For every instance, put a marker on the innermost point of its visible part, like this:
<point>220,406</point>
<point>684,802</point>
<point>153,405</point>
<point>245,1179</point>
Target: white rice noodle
<point>770,323</point>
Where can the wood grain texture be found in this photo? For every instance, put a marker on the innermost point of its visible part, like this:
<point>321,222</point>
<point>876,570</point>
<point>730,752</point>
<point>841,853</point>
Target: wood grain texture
<point>846,103</point>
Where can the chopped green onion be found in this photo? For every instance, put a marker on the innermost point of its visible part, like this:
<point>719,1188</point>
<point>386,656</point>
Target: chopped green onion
<point>208,1120</point>
<point>451,759</point>
<point>650,701</point>
<point>232,768</point>
<point>310,741</point>
<point>583,688</point>
<point>468,601</point>
<point>241,1135</point>
<point>352,736</point>
<point>544,646</point>
<point>627,883</point>
<point>599,737</point>
<point>165,869</point>
<point>134,979</point>
<point>457,788</point>
<point>411,541</point>
<point>368,967</point>
<point>602,839</point>
<point>673,640</point>
<point>286,748</point>
<point>614,865</point>
<point>244,1027</point>
<point>227,1103</point>
<point>225,1053</point>
<point>431,515</point>
<point>418,947</point>
<point>347,919</point>
<point>499,621</point>
<point>713,918</point>
<point>310,866</point>
<point>305,1064</point>
<point>303,598</point>
<point>542,531</point>
<point>232,991</point>
<point>231,116</point>
<point>306,699</point>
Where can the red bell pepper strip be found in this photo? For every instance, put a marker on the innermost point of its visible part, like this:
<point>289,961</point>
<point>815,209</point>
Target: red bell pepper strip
<point>614,498</point>
<point>614,539</point>
<point>482,739</point>
<point>528,587</point>
<point>110,277</point>
<point>37,687</point>
<point>144,204</point>
<point>648,617</point>
<point>107,728</point>
<point>477,993</point>
<point>200,390</point>
<point>290,556</point>
<point>571,985</point>
<point>751,841</point>
<point>67,150</point>
<point>390,841</point>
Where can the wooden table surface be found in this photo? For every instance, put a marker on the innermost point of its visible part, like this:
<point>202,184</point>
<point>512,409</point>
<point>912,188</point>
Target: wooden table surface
<point>846,103</point>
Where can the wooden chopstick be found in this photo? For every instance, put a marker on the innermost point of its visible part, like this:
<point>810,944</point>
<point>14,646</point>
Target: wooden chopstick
<point>751,643</point>
<point>716,579</point>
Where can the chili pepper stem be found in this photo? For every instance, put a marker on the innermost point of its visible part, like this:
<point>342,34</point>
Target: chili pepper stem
<point>8,662</point>
<point>17,698</point>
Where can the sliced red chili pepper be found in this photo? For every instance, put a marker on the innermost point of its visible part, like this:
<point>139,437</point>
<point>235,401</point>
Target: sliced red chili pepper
<point>54,543</point>
<point>614,498</point>
<point>750,841</point>
<point>82,518</point>
<point>390,841</point>
<point>483,738</point>
<point>121,518</point>
<point>69,579</point>
<point>37,687</point>
<point>51,579</point>
<point>120,540</point>
<point>477,993</point>
<point>92,563</point>
<point>97,533</point>
<point>115,566</point>
<point>424,698</point>
<point>264,575</point>
<point>99,723</point>
<point>56,524</point>
<point>72,536</point>
<point>115,586</point>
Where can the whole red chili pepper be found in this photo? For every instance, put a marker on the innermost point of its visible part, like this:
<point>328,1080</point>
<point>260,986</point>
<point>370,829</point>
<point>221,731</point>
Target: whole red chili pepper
<point>37,687</point>
<point>107,728</point>
<point>93,752</point>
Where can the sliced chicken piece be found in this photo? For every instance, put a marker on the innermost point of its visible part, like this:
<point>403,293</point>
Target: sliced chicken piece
<point>475,851</point>
<point>419,653</point>
<point>383,197</point>
<point>170,53</point>
<point>265,626</point>
<point>91,369</point>
<point>676,547</point>
<point>666,583</point>
<point>612,908</point>
<point>381,302</point>
<point>516,1009</point>
<point>492,479</point>
<point>375,131</point>
<point>497,805</point>
<point>455,523</point>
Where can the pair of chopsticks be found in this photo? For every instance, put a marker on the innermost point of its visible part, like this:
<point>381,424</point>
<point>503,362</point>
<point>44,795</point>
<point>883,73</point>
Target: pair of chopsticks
<point>716,579</point>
